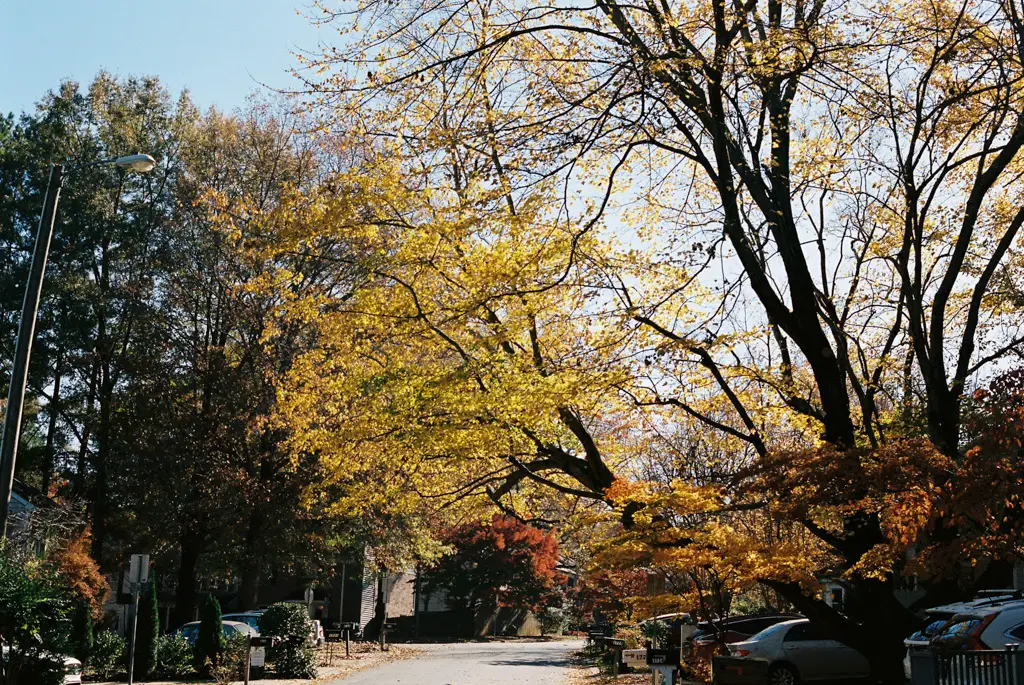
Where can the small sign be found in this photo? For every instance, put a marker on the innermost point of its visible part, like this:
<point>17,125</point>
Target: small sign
<point>333,634</point>
<point>138,569</point>
<point>258,657</point>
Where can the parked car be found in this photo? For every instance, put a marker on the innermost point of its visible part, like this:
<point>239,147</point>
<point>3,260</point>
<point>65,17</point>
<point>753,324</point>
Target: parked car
<point>796,651</point>
<point>704,642</point>
<point>937,618</point>
<point>992,626</point>
<point>250,618</point>
<point>317,633</point>
<point>190,631</point>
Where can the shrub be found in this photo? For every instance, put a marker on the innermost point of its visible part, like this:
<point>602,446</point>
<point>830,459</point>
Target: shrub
<point>108,655</point>
<point>210,641</point>
<point>552,621</point>
<point>232,660</point>
<point>147,632</point>
<point>174,657</point>
<point>293,658</point>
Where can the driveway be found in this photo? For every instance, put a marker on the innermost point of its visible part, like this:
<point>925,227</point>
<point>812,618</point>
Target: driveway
<point>477,663</point>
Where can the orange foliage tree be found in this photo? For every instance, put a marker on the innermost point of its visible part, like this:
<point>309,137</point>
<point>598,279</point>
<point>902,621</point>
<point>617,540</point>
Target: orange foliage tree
<point>79,572</point>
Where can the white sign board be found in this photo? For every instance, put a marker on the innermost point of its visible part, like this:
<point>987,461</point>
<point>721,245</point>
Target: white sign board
<point>258,656</point>
<point>634,657</point>
<point>138,571</point>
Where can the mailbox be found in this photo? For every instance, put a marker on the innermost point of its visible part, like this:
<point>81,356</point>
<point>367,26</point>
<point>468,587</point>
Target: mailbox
<point>662,657</point>
<point>263,641</point>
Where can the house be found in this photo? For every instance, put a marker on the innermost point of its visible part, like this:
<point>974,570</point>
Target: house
<point>26,503</point>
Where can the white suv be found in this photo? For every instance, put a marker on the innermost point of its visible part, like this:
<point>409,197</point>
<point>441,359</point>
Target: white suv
<point>937,618</point>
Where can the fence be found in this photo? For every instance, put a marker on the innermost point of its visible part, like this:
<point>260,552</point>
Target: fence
<point>982,667</point>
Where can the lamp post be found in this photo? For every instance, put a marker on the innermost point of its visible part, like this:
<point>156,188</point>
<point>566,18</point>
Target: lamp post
<point>27,325</point>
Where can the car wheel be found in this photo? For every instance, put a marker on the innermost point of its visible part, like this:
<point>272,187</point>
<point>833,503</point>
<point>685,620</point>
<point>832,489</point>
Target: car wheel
<point>783,675</point>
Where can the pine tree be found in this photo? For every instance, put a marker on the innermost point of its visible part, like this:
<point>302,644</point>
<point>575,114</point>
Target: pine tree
<point>148,632</point>
<point>210,641</point>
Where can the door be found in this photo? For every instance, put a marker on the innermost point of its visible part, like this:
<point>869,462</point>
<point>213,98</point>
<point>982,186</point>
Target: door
<point>807,649</point>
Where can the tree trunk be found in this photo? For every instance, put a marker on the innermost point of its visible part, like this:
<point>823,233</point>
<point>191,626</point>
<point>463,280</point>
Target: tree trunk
<point>53,412</point>
<point>252,565</point>
<point>99,502</point>
<point>185,595</point>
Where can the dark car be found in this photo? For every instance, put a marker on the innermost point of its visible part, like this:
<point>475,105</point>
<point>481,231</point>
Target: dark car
<point>709,638</point>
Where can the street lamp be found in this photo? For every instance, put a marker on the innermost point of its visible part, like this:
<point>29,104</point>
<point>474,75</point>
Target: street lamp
<point>27,326</point>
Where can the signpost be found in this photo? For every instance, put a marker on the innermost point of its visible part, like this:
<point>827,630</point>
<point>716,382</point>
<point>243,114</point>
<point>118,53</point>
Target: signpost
<point>138,573</point>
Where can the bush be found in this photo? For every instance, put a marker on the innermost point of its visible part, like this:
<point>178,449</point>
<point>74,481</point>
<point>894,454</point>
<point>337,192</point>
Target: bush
<point>293,658</point>
<point>210,641</point>
<point>232,660</point>
<point>108,655</point>
<point>39,670</point>
<point>174,657</point>
<point>552,621</point>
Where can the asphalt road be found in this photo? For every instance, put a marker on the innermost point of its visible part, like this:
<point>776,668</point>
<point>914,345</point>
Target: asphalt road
<point>477,663</point>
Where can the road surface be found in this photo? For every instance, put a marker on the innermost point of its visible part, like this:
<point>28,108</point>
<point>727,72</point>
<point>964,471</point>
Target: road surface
<point>477,663</point>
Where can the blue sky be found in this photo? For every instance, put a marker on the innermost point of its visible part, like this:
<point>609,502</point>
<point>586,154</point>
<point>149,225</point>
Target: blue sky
<point>221,50</point>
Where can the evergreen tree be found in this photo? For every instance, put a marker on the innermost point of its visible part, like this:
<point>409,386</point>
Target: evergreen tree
<point>210,641</point>
<point>148,632</point>
<point>81,631</point>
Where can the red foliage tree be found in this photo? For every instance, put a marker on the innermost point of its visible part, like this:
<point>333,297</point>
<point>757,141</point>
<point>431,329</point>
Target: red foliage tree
<point>502,562</point>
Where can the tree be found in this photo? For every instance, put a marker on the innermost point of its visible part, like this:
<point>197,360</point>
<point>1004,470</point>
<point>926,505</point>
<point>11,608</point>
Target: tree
<point>808,164</point>
<point>499,563</point>
<point>81,632</point>
<point>148,632</point>
<point>210,641</point>
<point>35,619</point>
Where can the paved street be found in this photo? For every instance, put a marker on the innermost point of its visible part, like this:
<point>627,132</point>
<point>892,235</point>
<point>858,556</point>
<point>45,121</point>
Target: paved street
<point>484,663</point>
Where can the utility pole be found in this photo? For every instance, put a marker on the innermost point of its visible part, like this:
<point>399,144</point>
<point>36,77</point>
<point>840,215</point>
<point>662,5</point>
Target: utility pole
<point>23,347</point>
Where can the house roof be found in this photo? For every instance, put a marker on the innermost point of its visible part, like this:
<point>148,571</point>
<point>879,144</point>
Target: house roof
<point>32,495</point>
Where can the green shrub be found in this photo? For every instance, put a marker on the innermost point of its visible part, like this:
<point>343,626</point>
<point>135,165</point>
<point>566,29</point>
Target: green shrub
<point>174,657</point>
<point>232,660</point>
<point>210,641</point>
<point>39,670</point>
<point>147,632</point>
<point>108,655</point>
<point>552,621</point>
<point>294,657</point>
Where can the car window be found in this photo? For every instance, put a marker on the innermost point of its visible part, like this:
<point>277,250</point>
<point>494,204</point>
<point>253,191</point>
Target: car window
<point>189,632</point>
<point>803,632</point>
<point>960,628</point>
<point>1017,633</point>
<point>930,630</point>
<point>771,631</point>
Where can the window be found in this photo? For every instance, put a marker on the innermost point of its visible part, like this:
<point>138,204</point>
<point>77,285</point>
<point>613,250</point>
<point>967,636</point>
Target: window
<point>961,628</point>
<point>803,632</point>
<point>1016,633</point>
